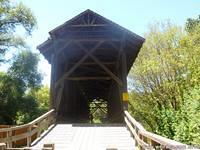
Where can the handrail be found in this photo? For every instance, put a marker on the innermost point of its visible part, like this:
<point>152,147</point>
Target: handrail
<point>148,140</point>
<point>25,134</point>
<point>49,146</point>
<point>30,123</point>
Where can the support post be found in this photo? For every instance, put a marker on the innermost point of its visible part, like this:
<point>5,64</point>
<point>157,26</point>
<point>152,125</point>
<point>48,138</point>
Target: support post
<point>52,83</point>
<point>124,80</point>
<point>59,96</point>
<point>53,80</point>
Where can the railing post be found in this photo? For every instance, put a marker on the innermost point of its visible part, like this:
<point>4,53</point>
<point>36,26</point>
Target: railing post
<point>52,118</point>
<point>39,130</point>
<point>8,139</point>
<point>154,144</point>
<point>12,134</point>
<point>141,137</point>
<point>2,146</point>
<point>50,146</point>
<point>9,136</point>
<point>48,121</point>
<point>29,136</point>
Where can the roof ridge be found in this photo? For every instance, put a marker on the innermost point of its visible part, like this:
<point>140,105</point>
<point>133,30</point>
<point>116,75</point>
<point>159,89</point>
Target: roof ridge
<point>102,17</point>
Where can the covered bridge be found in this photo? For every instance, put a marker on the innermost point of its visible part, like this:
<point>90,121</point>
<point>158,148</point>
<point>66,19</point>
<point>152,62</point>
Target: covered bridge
<point>90,58</point>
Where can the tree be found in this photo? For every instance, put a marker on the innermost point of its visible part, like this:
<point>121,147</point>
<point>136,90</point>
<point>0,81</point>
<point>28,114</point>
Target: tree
<point>33,104</point>
<point>188,126</point>
<point>12,16</point>
<point>192,24</point>
<point>165,76</point>
<point>28,110</point>
<point>25,68</point>
<point>17,102</point>
<point>42,97</point>
<point>23,77</point>
<point>11,92</point>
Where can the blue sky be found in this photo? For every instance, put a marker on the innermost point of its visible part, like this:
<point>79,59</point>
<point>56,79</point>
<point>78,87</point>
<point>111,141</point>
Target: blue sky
<point>135,15</point>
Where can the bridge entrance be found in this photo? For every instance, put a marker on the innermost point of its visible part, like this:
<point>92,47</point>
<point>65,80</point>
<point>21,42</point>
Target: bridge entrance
<point>90,58</point>
<point>98,111</point>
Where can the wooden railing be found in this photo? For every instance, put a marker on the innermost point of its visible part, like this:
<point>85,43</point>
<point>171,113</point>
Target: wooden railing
<point>147,140</point>
<point>45,147</point>
<point>23,135</point>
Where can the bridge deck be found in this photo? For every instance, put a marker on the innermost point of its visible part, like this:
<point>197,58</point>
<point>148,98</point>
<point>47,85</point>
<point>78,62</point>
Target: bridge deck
<point>87,137</point>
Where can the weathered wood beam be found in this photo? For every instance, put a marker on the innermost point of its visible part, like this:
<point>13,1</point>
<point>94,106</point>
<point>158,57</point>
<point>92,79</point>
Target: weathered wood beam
<point>83,20</point>
<point>98,88</point>
<point>133,44</point>
<point>59,96</point>
<point>88,39</point>
<point>87,78</point>
<point>91,69</point>
<point>121,50</point>
<point>94,63</point>
<point>83,59</point>
<point>88,25</point>
<point>88,18</point>
<point>57,51</point>
<point>101,65</point>
<point>124,79</point>
<point>93,20</point>
<point>78,63</point>
<point>107,70</point>
<point>53,78</point>
<point>88,66</point>
<point>64,56</point>
<point>55,42</point>
<point>113,45</point>
<point>93,85</point>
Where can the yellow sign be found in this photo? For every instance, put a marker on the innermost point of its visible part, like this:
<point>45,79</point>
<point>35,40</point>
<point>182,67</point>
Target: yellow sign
<point>125,96</point>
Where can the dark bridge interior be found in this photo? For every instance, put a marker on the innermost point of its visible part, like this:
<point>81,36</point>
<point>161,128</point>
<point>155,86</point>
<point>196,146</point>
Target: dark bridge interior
<point>90,58</point>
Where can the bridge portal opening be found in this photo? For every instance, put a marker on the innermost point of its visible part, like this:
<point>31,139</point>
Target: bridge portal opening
<point>98,111</point>
<point>90,58</point>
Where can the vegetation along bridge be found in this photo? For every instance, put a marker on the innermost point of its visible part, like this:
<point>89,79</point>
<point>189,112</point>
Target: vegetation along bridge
<point>90,58</point>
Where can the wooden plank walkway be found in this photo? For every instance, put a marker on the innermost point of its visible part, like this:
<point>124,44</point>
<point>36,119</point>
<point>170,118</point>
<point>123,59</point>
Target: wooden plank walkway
<point>87,137</point>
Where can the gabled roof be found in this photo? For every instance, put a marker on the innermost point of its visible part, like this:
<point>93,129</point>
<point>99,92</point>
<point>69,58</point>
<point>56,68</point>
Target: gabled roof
<point>89,27</point>
<point>88,11</point>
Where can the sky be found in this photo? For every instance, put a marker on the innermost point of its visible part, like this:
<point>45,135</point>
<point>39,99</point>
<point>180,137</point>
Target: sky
<point>135,15</point>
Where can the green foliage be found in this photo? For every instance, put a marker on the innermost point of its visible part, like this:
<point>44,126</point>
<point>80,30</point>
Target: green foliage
<point>42,97</point>
<point>192,24</point>
<point>188,118</point>
<point>12,16</point>
<point>33,104</point>
<point>166,75</point>
<point>11,93</point>
<point>18,104</point>
<point>28,110</point>
<point>24,68</point>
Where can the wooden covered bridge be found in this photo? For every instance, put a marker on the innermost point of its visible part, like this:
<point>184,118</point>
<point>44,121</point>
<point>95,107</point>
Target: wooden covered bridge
<point>90,58</point>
